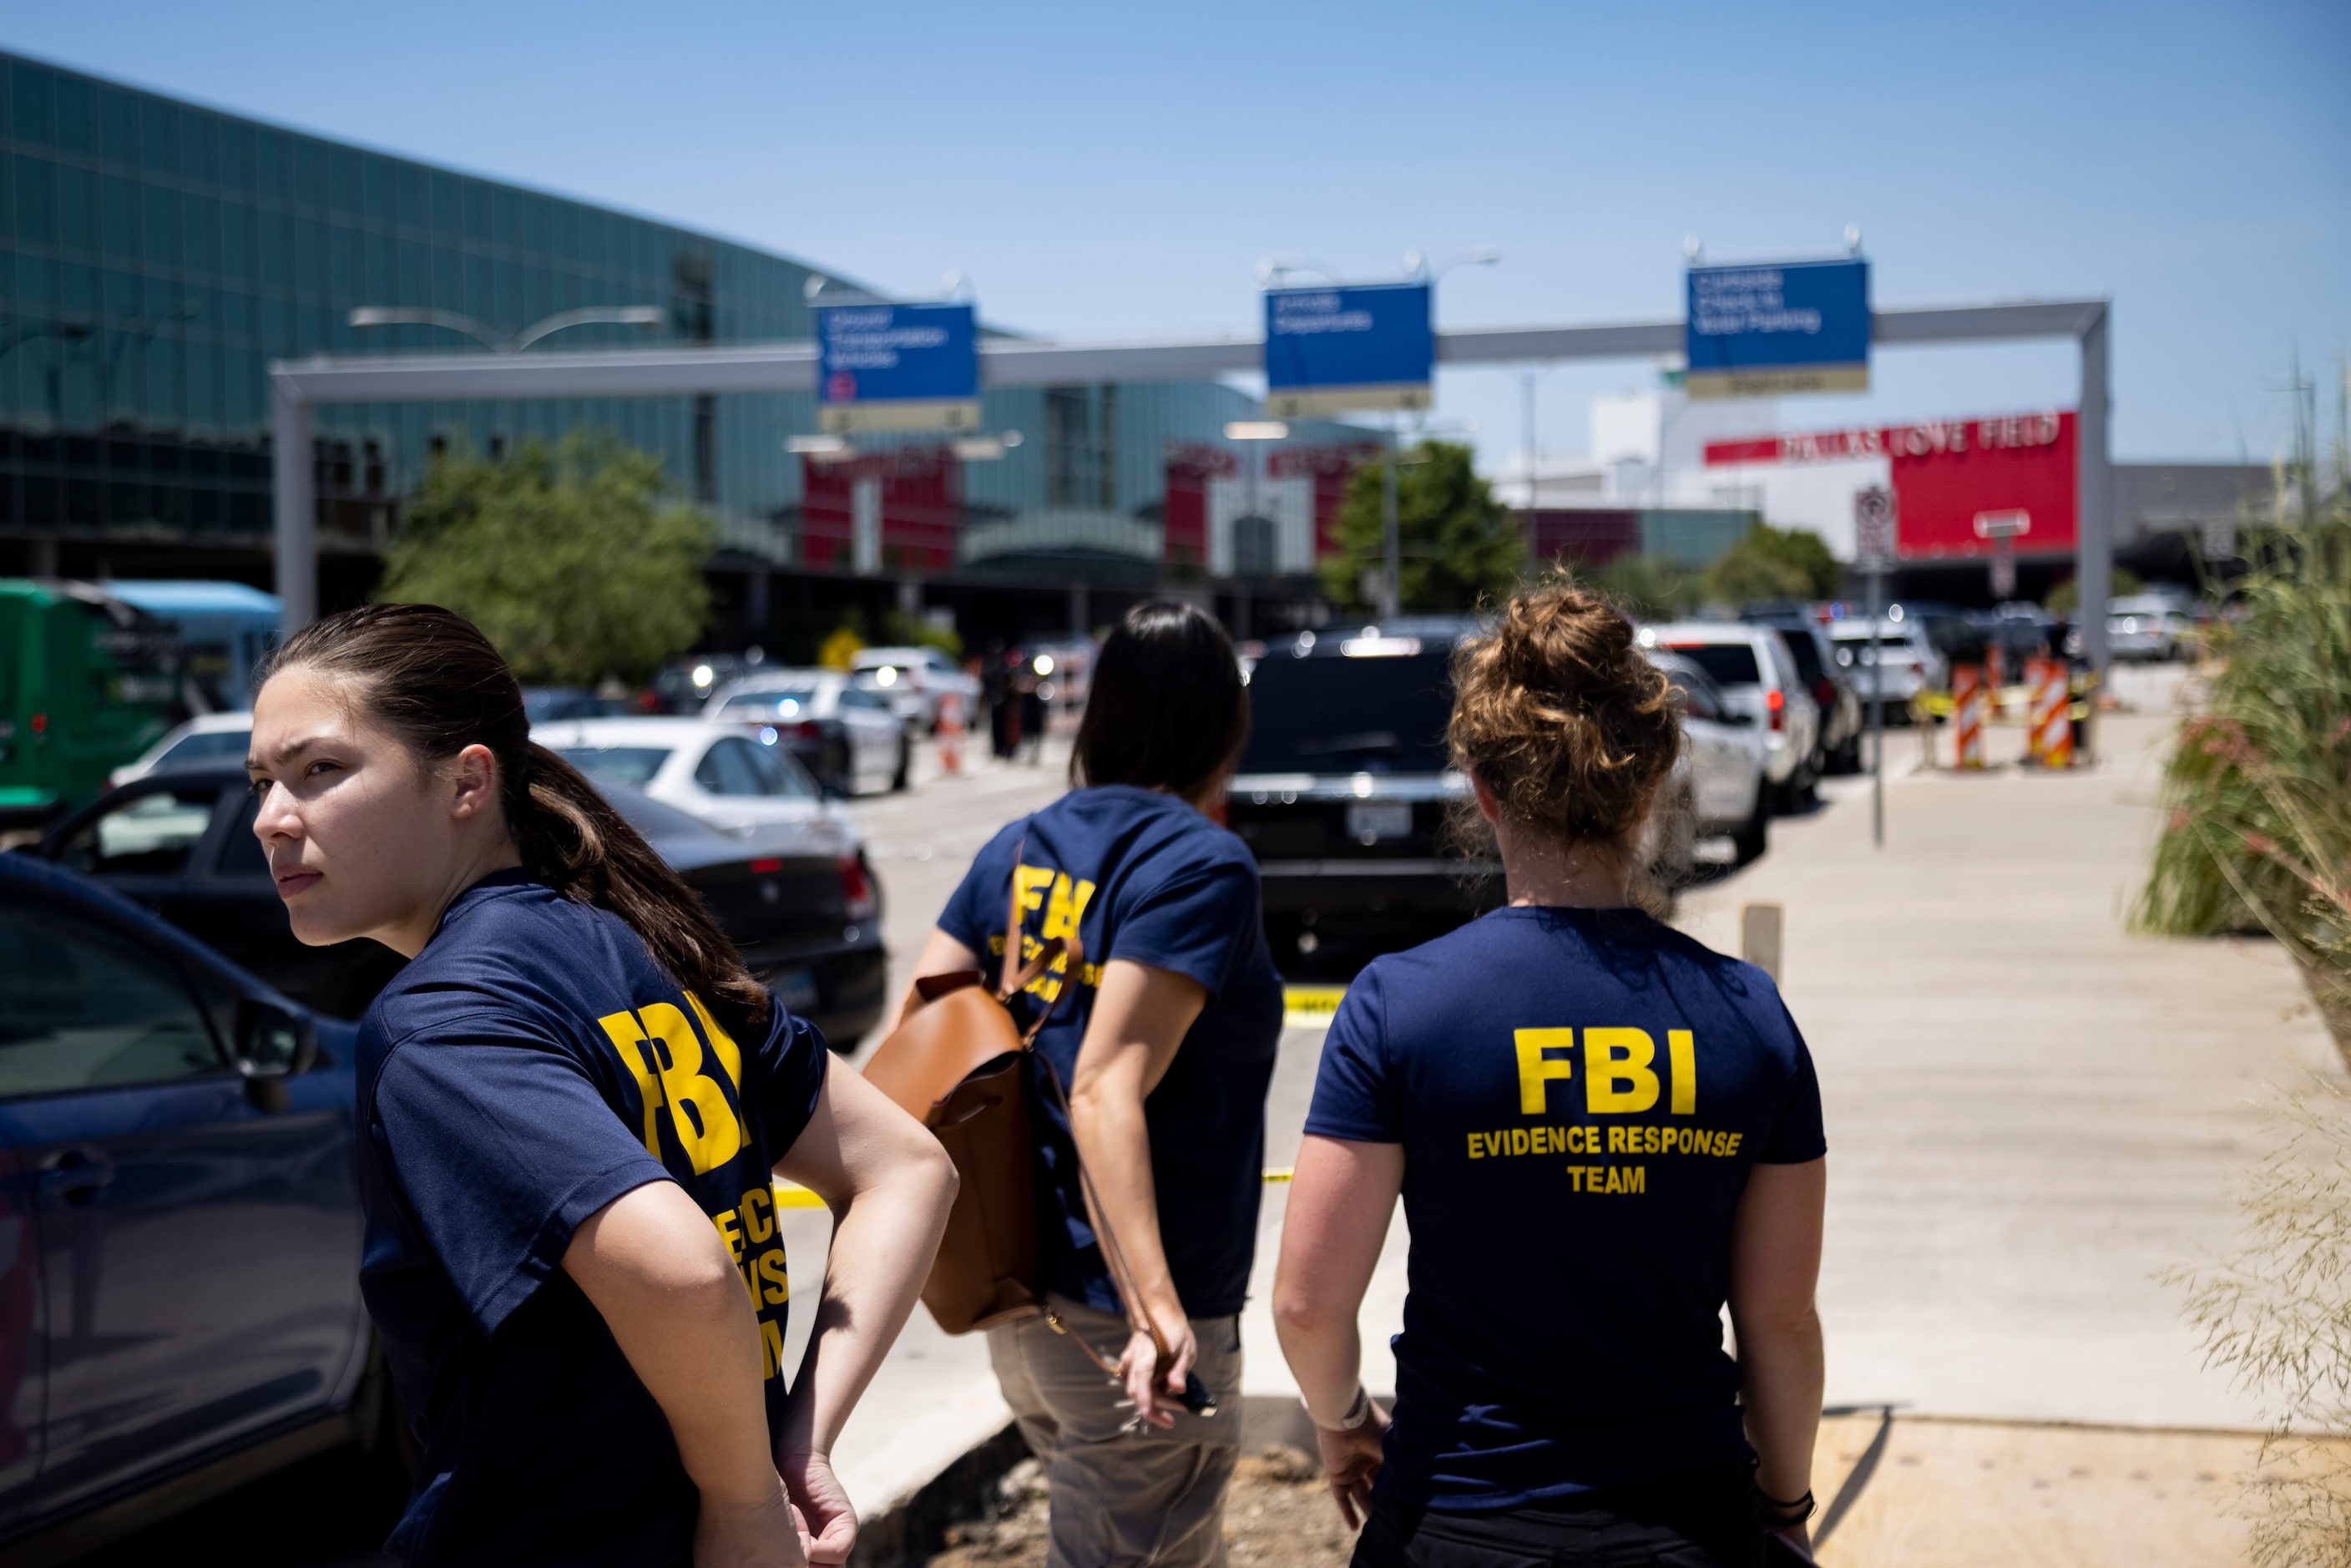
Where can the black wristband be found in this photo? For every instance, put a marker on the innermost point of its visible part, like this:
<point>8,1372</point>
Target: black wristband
<point>1782,1513</point>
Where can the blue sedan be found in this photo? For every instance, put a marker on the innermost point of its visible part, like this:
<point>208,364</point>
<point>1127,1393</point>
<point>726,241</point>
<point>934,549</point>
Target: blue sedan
<point>179,1221</point>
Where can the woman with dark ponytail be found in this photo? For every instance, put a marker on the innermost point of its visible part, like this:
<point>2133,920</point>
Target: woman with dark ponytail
<point>574,1101</point>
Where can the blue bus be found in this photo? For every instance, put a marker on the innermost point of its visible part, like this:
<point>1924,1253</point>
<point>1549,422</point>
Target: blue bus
<point>225,630</point>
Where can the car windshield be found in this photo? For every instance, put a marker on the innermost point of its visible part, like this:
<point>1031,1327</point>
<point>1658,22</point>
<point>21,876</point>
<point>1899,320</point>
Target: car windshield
<point>632,766</point>
<point>194,750</point>
<point>1730,663</point>
<point>1350,715</point>
<point>785,702</point>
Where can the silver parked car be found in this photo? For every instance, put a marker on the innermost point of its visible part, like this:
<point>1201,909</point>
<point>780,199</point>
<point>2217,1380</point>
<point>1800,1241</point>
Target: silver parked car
<point>845,734</point>
<point>738,779</point>
<point>1720,775</point>
<point>913,681</point>
<point>1909,660</point>
<point>1757,675</point>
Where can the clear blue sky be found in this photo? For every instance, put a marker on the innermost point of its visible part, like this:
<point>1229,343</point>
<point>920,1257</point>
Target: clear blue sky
<point>1106,170</point>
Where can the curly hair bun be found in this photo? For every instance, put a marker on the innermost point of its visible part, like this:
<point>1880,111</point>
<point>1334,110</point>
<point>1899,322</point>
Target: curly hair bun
<point>1564,720</point>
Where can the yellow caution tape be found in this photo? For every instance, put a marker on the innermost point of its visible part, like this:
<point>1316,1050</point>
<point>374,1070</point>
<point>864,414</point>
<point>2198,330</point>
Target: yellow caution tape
<point>1310,1006</point>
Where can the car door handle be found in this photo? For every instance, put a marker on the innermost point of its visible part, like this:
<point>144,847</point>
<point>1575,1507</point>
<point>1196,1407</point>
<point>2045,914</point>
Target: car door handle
<point>76,1176</point>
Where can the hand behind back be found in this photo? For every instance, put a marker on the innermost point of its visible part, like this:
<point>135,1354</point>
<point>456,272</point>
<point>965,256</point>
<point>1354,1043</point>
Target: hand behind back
<point>761,1534</point>
<point>1352,1462</point>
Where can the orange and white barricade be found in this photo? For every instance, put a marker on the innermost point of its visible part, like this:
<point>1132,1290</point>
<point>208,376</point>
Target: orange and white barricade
<point>1966,715</point>
<point>950,733</point>
<point>2052,713</point>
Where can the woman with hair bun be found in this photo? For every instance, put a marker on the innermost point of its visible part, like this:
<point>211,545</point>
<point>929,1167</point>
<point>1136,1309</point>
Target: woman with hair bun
<point>572,1106</point>
<point>1603,1132</point>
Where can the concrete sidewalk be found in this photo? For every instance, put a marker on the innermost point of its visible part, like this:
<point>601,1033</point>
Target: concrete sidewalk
<point>2032,1115</point>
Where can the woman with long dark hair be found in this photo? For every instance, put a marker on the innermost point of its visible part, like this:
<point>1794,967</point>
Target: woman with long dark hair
<point>1602,1134</point>
<point>1163,1033</point>
<point>574,1103</point>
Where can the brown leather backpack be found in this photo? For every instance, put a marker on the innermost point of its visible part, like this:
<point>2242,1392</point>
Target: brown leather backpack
<point>954,1065</point>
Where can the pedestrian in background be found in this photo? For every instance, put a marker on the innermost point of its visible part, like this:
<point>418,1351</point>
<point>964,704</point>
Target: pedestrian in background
<point>572,1106</point>
<point>1602,1131</point>
<point>1166,1044</point>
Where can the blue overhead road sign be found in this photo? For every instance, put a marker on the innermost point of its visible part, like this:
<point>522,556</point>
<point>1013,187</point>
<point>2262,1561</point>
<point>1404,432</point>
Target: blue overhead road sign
<point>898,367</point>
<point>1793,327</point>
<point>1333,350</point>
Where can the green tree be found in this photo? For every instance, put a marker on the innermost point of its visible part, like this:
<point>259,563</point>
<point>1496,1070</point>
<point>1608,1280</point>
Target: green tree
<point>1457,542</point>
<point>578,562</point>
<point>1774,563</point>
<point>1649,586</point>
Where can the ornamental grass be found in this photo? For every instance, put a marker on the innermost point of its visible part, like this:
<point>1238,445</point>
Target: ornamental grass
<point>2258,789</point>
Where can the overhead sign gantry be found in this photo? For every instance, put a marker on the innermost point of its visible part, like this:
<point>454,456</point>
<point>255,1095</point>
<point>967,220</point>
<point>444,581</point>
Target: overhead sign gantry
<point>297,386</point>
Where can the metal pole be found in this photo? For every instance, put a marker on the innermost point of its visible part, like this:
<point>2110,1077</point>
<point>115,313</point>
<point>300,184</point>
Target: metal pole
<point>1527,428</point>
<point>1876,709</point>
<point>295,509</point>
<point>1391,535</point>
<point>2093,561</point>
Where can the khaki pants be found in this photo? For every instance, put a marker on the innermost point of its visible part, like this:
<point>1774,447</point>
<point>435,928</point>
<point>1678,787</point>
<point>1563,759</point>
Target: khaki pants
<point>1122,1498</point>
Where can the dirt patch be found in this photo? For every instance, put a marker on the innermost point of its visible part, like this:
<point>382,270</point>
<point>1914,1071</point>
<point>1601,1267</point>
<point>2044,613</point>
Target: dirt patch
<point>1277,1512</point>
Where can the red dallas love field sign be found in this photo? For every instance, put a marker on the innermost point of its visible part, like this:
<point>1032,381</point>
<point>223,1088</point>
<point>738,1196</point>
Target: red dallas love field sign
<point>1948,473</point>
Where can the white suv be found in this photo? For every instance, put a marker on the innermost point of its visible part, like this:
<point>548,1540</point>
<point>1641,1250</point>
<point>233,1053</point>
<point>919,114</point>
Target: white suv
<point>912,680</point>
<point>1757,675</point>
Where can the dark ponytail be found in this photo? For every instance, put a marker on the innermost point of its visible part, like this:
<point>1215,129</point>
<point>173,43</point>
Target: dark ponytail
<point>434,680</point>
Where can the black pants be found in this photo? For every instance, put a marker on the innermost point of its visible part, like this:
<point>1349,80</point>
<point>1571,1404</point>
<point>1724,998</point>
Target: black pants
<point>1700,1518</point>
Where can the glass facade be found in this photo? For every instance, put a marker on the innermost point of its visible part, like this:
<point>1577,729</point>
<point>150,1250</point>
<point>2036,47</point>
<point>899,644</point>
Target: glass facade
<point>156,255</point>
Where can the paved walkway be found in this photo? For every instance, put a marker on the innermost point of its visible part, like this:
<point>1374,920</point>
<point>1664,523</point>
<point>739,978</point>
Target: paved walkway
<point>2032,1115</point>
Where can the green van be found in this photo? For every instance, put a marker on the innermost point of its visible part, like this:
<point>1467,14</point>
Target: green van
<point>87,682</point>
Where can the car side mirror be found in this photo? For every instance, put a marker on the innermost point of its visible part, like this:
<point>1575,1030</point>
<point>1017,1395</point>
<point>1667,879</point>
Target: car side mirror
<point>272,1046</point>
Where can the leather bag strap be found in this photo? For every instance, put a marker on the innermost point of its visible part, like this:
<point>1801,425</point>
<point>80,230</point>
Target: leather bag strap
<point>1122,1277</point>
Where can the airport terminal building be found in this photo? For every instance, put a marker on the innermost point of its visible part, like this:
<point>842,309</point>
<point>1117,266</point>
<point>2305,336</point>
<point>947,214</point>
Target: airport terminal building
<point>155,257</point>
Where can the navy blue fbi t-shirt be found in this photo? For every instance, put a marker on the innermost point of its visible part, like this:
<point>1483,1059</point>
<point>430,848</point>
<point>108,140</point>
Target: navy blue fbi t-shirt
<point>1143,876</point>
<point>531,1065</point>
<point>1580,1094</point>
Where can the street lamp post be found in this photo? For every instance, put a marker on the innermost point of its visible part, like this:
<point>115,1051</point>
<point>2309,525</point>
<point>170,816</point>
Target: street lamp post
<point>1252,432</point>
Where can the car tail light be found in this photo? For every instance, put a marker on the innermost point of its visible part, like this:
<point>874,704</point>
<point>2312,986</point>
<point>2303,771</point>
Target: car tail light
<point>857,887</point>
<point>1824,694</point>
<point>765,867</point>
<point>1221,809</point>
<point>1777,702</point>
<point>806,729</point>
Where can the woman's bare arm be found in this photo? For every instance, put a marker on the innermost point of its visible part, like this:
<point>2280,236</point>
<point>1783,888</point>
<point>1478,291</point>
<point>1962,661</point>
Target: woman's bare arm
<point>1341,1200</point>
<point>1775,1268</point>
<point>888,1184</point>
<point>653,1264</point>
<point>1139,1017</point>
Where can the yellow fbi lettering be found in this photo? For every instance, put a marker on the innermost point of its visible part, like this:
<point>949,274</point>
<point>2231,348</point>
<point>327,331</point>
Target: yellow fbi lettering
<point>1617,1138</point>
<point>1064,902</point>
<point>662,1052</point>
<point>767,1278</point>
<point>1620,1071</point>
